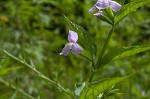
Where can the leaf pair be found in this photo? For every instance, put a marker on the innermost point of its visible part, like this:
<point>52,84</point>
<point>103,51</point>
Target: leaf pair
<point>98,89</point>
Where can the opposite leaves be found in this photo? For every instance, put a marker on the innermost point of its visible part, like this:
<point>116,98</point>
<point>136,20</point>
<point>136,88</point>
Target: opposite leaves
<point>98,89</point>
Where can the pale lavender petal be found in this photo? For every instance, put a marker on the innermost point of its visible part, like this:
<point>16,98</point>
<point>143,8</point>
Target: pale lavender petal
<point>76,49</point>
<point>66,49</point>
<point>98,13</point>
<point>92,9</point>
<point>102,4</point>
<point>114,5</point>
<point>72,36</point>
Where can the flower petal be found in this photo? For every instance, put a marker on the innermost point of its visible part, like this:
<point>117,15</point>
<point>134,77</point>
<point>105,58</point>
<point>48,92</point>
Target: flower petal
<point>102,4</point>
<point>66,49</point>
<point>72,36</point>
<point>98,13</point>
<point>92,9</point>
<point>76,49</point>
<point>114,5</point>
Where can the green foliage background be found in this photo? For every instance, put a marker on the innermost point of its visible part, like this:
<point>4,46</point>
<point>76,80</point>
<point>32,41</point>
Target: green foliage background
<point>36,30</point>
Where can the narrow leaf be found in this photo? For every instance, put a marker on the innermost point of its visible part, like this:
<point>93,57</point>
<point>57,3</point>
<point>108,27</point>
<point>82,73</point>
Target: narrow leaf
<point>96,89</point>
<point>86,55</point>
<point>85,39</point>
<point>106,19</point>
<point>128,8</point>
<point>119,53</point>
<point>4,71</point>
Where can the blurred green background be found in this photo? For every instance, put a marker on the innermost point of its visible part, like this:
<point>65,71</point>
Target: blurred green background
<point>36,30</point>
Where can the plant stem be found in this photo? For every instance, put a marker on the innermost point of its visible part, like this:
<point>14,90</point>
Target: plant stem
<point>91,77</point>
<point>104,47</point>
<point>40,74</point>
<point>101,54</point>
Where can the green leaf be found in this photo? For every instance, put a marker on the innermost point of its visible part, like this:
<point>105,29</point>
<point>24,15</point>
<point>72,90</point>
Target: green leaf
<point>97,89</point>
<point>85,39</point>
<point>86,55</point>
<point>128,8</point>
<point>122,52</point>
<point>106,19</point>
<point>113,92</point>
<point>110,14</point>
<point>78,90</point>
<point>4,71</point>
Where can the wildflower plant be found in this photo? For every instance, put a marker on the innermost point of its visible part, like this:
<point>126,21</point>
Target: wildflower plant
<point>112,13</point>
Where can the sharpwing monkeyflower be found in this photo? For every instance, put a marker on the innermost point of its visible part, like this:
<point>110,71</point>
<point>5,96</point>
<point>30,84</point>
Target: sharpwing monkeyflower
<point>102,4</point>
<point>72,44</point>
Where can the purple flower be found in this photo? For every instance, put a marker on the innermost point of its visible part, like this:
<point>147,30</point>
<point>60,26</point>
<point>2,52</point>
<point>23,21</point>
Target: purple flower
<point>102,4</point>
<point>98,13</point>
<point>72,44</point>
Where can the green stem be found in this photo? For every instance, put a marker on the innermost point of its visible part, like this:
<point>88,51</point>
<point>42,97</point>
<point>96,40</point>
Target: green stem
<point>101,54</point>
<point>40,74</point>
<point>92,75</point>
<point>104,47</point>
